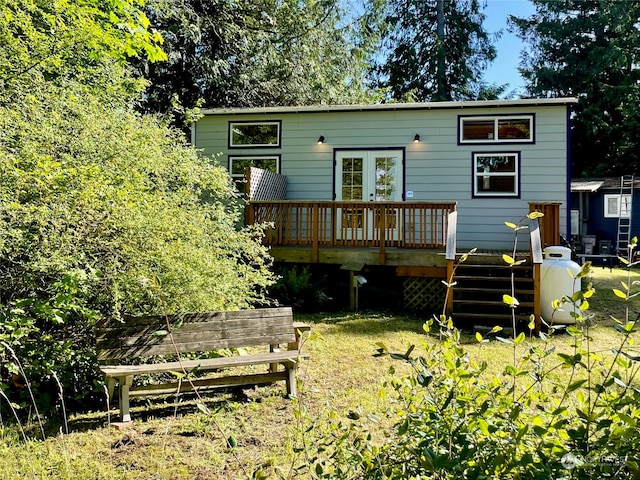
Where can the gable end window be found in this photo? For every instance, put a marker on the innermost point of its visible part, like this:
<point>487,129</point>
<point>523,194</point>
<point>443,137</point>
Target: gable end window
<point>254,134</point>
<point>617,206</point>
<point>496,174</point>
<point>496,129</point>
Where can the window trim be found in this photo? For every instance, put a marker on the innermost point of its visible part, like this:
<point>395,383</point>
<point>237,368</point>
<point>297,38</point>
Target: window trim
<point>256,145</point>
<point>496,118</point>
<point>516,174</point>
<point>618,213</point>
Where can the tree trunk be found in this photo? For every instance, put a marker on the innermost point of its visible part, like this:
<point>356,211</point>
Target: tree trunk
<point>441,67</point>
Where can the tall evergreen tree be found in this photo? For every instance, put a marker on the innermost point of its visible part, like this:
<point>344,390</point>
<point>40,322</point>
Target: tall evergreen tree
<point>259,53</point>
<point>589,49</point>
<point>435,50</point>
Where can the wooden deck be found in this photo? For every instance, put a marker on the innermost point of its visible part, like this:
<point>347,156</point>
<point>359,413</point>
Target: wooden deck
<point>414,237</point>
<point>384,233</point>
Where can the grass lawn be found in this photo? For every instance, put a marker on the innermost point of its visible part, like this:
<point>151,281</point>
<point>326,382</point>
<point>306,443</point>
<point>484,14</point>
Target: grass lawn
<point>257,427</point>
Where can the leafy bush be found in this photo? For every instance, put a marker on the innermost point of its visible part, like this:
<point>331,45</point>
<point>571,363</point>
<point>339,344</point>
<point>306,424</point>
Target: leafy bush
<point>296,287</point>
<point>453,419</point>
<point>103,211</point>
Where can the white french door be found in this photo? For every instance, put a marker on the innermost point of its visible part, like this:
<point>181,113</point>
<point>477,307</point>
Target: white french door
<point>370,176</point>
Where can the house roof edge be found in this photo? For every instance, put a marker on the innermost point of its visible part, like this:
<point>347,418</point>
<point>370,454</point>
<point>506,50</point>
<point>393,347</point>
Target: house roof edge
<point>393,106</point>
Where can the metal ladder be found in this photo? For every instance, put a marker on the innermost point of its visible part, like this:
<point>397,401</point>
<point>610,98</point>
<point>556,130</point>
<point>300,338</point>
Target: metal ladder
<point>624,217</point>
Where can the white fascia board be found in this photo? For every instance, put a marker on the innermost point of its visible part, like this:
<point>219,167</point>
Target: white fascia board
<point>524,102</point>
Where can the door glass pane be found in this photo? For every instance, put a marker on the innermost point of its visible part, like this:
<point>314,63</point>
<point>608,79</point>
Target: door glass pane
<point>352,178</point>
<point>386,177</point>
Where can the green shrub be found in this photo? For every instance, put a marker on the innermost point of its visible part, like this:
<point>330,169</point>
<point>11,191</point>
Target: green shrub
<point>296,287</point>
<point>104,212</point>
<point>550,414</point>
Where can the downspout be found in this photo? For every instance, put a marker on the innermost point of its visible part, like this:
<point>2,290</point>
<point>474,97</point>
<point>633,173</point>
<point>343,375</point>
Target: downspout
<point>193,134</point>
<point>568,213</point>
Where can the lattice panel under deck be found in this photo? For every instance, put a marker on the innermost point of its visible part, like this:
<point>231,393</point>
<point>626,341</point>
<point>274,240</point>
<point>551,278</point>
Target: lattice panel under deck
<point>424,293</point>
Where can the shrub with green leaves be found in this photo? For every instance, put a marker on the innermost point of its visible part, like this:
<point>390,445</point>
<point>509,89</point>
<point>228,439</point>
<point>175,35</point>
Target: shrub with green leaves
<point>554,412</point>
<point>103,211</point>
<point>297,287</point>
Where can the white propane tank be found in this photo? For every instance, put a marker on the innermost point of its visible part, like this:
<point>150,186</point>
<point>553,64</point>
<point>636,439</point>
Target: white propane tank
<point>556,282</point>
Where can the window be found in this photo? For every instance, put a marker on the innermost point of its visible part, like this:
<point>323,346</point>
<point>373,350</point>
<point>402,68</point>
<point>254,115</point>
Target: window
<point>238,166</point>
<point>254,134</point>
<point>496,129</point>
<point>617,206</point>
<point>496,174</point>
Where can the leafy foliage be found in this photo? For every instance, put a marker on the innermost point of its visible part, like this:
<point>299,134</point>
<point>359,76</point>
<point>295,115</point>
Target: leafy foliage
<point>436,56</point>
<point>296,287</point>
<point>65,38</point>
<point>103,211</point>
<point>589,49</point>
<point>259,53</point>
<point>454,419</point>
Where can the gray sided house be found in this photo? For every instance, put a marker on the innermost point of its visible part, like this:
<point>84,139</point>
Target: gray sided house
<point>374,185</point>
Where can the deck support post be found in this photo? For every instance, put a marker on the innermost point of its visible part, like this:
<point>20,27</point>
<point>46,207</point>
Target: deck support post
<point>450,266</point>
<point>537,309</point>
<point>352,291</point>
<point>536,258</point>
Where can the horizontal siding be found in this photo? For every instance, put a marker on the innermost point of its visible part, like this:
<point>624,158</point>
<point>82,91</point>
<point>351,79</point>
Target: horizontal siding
<point>436,169</point>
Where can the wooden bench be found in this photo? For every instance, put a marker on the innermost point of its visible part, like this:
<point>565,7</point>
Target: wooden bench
<point>199,332</point>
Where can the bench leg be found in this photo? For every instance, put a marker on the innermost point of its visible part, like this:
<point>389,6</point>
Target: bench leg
<point>273,367</point>
<point>111,385</point>
<point>125,383</point>
<point>291,380</point>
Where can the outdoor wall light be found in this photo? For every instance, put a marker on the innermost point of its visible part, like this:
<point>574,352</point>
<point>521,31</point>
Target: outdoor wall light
<point>321,139</point>
<point>416,139</point>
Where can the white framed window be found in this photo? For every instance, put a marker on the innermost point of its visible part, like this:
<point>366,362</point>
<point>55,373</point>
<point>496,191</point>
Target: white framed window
<point>496,174</point>
<point>496,129</point>
<point>238,166</point>
<point>254,134</point>
<point>617,206</point>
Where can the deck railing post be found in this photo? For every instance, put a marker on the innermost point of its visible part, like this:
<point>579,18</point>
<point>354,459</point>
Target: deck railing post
<point>334,223</point>
<point>316,224</point>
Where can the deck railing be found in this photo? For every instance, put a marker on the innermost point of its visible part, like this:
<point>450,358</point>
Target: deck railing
<point>353,224</point>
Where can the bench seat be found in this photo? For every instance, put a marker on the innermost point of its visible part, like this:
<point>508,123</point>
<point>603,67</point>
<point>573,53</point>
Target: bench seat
<point>287,356</point>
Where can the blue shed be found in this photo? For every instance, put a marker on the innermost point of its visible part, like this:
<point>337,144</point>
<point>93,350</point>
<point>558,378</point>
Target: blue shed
<point>603,217</point>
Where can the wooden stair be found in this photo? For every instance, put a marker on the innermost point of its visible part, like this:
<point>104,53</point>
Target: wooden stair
<point>478,295</point>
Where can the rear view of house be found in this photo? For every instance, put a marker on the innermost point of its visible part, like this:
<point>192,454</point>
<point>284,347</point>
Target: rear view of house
<point>367,186</point>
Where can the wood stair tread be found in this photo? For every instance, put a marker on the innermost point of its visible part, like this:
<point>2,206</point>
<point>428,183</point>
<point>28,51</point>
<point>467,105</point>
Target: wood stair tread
<point>488,302</point>
<point>493,267</point>
<point>489,278</point>
<point>492,290</point>
<point>496,316</point>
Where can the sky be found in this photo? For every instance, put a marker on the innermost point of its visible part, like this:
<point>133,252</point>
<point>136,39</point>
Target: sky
<point>504,68</point>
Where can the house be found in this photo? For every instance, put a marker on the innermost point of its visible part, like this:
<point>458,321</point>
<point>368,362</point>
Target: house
<point>366,186</point>
<point>602,214</point>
